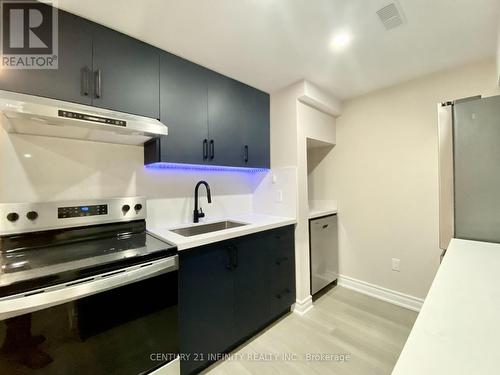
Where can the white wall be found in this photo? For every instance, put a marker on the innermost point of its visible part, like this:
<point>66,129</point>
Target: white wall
<point>276,194</point>
<point>292,123</point>
<point>284,126</point>
<point>319,167</point>
<point>60,169</point>
<point>385,177</point>
<point>311,124</point>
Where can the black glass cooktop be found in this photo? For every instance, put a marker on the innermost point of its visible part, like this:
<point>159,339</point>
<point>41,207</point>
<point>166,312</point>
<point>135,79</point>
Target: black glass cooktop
<point>37,260</point>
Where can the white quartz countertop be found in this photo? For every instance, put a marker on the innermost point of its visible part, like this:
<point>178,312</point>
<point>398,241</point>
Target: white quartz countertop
<point>458,329</point>
<point>256,223</point>
<point>315,212</point>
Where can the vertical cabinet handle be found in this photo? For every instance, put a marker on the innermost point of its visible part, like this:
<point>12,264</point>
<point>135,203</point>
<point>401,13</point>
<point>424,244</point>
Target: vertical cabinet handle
<point>229,261</point>
<point>205,149</point>
<point>85,81</point>
<point>235,257</point>
<point>279,261</point>
<point>98,83</point>
<point>283,293</point>
<point>246,153</point>
<point>212,149</point>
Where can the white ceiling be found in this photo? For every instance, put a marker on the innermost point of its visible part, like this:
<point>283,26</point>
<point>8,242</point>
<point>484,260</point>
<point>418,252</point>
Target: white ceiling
<point>270,44</point>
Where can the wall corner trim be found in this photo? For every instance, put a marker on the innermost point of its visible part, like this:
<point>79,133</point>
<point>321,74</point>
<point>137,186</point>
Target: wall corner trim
<point>498,53</point>
<point>384,294</point>
<point>303,306</point>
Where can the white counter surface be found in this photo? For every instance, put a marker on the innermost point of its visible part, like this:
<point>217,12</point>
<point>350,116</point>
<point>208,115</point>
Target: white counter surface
<point>458,329</point>
<point>256,223</point>
<point>319,212</point>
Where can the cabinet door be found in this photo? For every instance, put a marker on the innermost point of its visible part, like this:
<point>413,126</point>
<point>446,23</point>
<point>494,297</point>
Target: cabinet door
<point>183,108</point>
<point>75,62</point>
<point>128,71</point>
<point>257,131</point>
<point>252,305</point>
<point>206,302</point>
<point>226,120</point>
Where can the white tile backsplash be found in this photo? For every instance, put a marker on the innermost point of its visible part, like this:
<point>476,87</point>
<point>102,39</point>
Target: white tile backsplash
<point>276,194</point>
<point>63,169</point>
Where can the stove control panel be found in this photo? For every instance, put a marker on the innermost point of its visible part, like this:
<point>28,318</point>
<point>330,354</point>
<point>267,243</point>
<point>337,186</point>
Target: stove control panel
<point>81,211</point>
<point>31,217</point>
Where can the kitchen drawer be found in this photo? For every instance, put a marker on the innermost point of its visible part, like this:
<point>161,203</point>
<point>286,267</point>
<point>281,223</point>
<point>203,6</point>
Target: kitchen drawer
<point>281,247</point>
<point>282,299</point>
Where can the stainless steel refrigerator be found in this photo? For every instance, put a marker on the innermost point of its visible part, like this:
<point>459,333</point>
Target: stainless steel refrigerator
<point>469,170</point>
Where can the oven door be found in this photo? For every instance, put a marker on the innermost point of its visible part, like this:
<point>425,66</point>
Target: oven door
<point>123,322</point>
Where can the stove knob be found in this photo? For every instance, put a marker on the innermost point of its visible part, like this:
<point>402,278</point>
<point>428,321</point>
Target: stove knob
<point>138,207</point>
<point>12,216</point>
<point>125,208</point>
<point>32,215</point>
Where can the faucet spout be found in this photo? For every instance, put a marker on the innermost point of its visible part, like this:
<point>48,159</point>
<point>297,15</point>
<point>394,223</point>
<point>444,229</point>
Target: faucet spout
<point>197,213</point>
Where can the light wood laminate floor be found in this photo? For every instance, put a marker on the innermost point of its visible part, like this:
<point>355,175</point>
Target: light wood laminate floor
<point>369,333</point>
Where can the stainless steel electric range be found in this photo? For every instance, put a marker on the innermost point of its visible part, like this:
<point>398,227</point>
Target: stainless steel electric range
<point>85,289</point>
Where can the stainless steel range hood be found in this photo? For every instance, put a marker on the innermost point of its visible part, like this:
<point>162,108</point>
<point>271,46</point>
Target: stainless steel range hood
<point>27,114</point>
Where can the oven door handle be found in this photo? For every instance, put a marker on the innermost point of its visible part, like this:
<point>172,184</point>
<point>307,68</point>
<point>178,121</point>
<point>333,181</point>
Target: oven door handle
<point>25,303</point>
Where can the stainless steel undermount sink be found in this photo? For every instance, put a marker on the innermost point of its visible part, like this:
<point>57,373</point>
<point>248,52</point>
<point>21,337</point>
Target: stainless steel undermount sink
<point>207,228</point>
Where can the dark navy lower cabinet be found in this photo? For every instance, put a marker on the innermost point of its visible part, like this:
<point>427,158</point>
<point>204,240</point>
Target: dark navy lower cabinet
<point>206,300</point>
<point>230,290</point>
<point>282,274</point>
<point>251,285</point>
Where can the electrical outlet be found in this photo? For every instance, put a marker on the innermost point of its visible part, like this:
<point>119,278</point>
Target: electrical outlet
<point>395,264</point>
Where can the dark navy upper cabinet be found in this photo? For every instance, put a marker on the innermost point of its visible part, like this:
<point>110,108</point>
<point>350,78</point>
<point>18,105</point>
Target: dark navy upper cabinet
<point>238,117</point>
<point>212,119</point>
<point>257,142</point>
<point>96,66</point>
<point>69,81</point>
<point>126,74</point>
<point>183,108</point>
<point>226,117</point>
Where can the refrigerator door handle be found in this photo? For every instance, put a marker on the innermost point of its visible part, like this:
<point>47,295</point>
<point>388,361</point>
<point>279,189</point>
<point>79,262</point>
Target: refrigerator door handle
<point>446,191</point>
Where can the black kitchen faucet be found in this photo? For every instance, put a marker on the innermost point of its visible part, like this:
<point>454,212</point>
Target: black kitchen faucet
<point>199,213</point>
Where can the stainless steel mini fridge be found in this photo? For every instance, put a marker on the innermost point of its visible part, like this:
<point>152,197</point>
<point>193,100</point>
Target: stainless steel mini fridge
<point>324,250</point>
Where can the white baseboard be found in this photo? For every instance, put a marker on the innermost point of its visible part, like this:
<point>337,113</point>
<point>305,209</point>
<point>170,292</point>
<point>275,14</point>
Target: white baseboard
<point>303,306</point>
<point>384,294</point>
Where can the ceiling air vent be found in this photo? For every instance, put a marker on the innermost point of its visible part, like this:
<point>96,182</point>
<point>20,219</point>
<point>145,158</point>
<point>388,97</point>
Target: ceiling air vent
<point>391,16</point>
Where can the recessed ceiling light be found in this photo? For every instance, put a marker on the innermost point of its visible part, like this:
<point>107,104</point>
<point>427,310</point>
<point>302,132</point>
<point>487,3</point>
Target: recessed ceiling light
<point>27,156</point>
<point>341,40</point>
